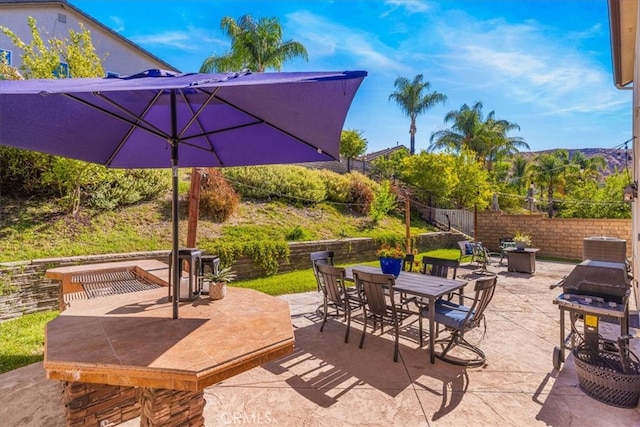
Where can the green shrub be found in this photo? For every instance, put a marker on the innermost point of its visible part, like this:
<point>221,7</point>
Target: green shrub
<point>279,181</point>
<point>21,172</point>
<point>218,200</point>
<point>361,192</point>
<point>390,239</point>
<point>268,254</point>
<point>384,201</point>
<point>298,234</point>
<point>126,187</point>
<point>336,185</point>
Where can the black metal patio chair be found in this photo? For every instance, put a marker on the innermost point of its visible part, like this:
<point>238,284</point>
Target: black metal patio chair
<point>459,319</point>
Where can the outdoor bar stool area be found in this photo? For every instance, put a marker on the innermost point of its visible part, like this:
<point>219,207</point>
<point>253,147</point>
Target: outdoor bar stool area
<point>144,363</point>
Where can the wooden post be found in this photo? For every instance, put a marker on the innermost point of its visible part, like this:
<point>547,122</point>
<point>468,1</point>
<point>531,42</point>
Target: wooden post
<point>407,220</point>
<point>194,207</point>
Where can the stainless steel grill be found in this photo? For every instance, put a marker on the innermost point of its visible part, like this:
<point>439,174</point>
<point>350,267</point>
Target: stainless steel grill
<point>601,279</point>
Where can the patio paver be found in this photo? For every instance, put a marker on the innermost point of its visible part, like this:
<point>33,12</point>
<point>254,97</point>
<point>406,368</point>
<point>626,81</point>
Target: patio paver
<point>326,382</point>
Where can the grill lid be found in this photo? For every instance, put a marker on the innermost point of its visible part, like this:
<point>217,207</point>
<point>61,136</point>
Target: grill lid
<point>608,280</point>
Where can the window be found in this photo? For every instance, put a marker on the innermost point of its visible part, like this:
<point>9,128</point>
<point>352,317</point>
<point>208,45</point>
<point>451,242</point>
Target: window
<point>62,72</point>
<point>6,54</point>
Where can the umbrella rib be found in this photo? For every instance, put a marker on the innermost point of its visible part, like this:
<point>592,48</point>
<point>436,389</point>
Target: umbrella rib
<point>195,114</point>
<point>260,120</point>
<point>137,118</point>
<point>155,131</point>
<point>133,123</point>
<point>194,118</point>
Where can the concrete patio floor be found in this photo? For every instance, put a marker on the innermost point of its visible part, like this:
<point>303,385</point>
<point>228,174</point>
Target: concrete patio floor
<point>326,382</point>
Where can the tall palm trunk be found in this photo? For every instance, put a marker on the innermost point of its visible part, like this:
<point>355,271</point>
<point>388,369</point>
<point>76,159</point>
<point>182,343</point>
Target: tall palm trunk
<point>412,132</point>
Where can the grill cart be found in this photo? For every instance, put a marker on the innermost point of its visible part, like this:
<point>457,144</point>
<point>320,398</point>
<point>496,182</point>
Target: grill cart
<point>607,370</point>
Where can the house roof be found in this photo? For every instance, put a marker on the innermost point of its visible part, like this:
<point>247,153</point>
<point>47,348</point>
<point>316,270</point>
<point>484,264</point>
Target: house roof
<point>66,5</point>
<point>386,152</point>
<point>623,19</point>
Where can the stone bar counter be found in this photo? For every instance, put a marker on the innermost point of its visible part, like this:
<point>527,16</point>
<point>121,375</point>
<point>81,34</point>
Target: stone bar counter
<point>122,356</point>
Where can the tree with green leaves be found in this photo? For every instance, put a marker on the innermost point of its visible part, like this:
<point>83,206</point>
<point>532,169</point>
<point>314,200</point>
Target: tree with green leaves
<point>255,45</point>
<point>43,59</point>
<point>414,98</point>
<point>520,173</point>
<point>7,72</point>
<point>582,169</point>
<point>594,199</point>
<point>548,170</point>
<point>389,166</point>
<point>486,137</point>
<point>473,188</point>
<point>434,173</point>
<point>352,145</point>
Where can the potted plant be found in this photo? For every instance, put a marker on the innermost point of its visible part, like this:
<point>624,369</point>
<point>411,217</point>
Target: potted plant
<point>522,240</point>
<point>217,282</point>
<point>391,259</point>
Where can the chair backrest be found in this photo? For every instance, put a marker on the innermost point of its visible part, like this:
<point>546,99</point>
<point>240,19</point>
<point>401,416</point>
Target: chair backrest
<point>484,290</point>
<point>333,281</point>
<point>465,248</point>
<point>320,257</point>
<point>439,267</point>
<point>507,242</point>
<point>480,253</point>
<point>407,263</point>
<point>373,286</point>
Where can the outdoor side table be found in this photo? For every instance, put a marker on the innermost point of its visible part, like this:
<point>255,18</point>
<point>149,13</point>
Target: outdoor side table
<point>523,261</point>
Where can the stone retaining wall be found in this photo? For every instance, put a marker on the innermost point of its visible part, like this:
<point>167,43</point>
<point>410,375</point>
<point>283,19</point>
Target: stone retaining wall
<point>24,289</point>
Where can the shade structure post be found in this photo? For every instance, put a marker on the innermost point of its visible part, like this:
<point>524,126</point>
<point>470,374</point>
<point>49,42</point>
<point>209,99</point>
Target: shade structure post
<point>174,208</point>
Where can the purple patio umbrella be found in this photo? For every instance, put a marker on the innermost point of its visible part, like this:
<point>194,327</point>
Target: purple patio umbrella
<point>156,119</point>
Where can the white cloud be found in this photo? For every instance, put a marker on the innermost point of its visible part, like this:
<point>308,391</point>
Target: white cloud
<point>325,38</point>
<point>527,63</point>
<point>190,40</point>
<point>411,6</point>
<point>117,23</point>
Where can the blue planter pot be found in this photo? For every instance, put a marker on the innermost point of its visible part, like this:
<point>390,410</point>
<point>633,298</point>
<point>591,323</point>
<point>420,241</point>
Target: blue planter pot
<point>391,265</point>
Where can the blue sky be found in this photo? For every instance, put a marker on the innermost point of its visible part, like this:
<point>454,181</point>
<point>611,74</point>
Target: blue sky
<point>543,64</point>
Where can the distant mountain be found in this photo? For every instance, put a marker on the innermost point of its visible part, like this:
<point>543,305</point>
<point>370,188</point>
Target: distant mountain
<point>616,159</point>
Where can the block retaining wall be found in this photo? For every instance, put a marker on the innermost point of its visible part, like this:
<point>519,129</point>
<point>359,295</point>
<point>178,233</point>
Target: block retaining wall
<point>555,237</point>
<point>24,289</point>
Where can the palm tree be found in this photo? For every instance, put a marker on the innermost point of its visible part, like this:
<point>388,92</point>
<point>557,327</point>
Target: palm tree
<point>520,170</point>
<point>413,101</point>
<point>548,170</point>
<point>487,138</point>
<point>256,45</point>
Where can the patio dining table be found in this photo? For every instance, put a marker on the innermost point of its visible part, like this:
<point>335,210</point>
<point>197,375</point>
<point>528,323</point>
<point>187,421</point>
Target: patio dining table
<point>420,285</point>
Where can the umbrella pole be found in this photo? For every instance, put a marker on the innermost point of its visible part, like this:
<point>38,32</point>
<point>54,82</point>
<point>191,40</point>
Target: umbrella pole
<point>175,262</point>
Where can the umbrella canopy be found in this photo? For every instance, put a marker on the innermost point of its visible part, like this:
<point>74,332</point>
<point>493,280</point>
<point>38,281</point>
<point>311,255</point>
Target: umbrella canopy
<point>156,119</point>
<point>220,119</point>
